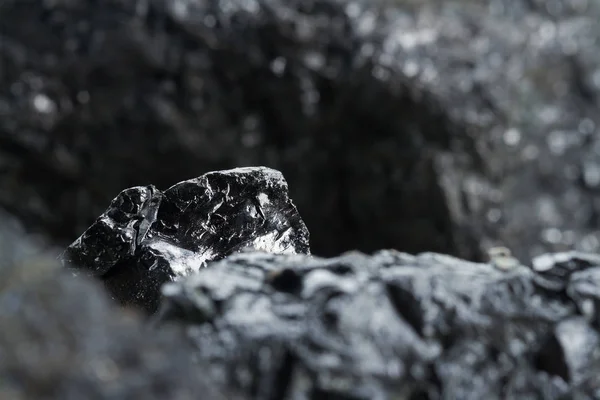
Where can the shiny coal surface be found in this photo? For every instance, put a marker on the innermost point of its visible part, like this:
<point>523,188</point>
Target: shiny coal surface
<point>148,237</point>
<point>393,325</point>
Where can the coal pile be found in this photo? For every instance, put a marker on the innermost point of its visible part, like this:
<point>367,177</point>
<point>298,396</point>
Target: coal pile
<point>463,135</point>
<point>523,77</point>
<point>284,325</point>
<point>393,325</point>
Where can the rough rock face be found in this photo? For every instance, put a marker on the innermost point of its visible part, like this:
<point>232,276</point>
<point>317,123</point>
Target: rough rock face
<point>392,326</point>
<point>147,237</point>
<point>61,339</point>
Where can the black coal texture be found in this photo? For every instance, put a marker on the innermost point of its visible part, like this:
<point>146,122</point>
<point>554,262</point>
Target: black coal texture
<point>447,126</point>
<point>393,326</point>
<point>147,237</point>
<point>61,338</point>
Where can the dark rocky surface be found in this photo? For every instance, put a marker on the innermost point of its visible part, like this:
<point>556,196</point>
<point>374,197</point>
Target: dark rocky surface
<point>60,338</point>
<point>447,126</point>
<point>395,326</point>
<point>147,237</point>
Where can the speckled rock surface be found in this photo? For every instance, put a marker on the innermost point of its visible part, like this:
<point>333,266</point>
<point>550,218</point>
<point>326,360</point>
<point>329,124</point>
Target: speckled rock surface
<point>395,326</point>
<point>524,76</point>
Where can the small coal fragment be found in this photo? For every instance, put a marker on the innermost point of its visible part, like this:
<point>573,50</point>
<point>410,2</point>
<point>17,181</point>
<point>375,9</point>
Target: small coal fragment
<point>61,339</point>
<point>386,326</point>
<point>148,237</point>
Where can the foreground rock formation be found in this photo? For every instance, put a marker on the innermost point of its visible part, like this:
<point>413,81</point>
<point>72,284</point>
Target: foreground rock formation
<point>292,326</point>
<point>395,326</point>
<point>147,237</point>
<point>421,126</point>
<point>61,339</point>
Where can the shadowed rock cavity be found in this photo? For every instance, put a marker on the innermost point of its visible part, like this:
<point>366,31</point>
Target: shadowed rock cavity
<point>147,237</point>
<point>390,326</point>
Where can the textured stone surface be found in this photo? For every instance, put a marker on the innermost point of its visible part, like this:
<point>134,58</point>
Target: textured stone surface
<point>60,338</point>
<point>147,237</point>
<point>392,326</point>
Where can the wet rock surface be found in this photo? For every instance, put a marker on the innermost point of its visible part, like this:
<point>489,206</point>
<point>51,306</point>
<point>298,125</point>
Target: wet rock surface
<point>393,326</point>
<point>147,237</point>
<point>61,338</point>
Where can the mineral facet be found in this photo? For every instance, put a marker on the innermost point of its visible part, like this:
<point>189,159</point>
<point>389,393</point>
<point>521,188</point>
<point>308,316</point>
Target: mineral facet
<point>391,326</point>
<point>148,237</point>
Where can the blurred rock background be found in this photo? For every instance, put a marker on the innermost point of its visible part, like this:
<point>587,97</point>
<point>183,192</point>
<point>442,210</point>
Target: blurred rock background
<point>446,126</point>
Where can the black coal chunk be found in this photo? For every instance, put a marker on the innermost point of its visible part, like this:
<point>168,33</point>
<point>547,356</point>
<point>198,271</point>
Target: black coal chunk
<point>147,237</point>
<point>61,338</point>
<point>387,326</point>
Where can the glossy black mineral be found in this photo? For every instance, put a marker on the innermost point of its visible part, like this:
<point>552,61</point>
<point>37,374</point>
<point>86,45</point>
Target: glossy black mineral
<point>147,237</point>
<point>394,326</point>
